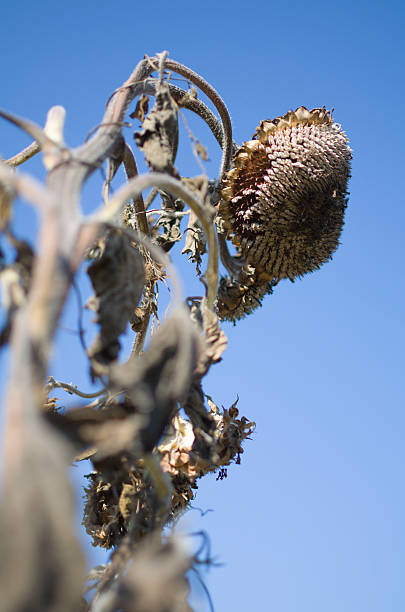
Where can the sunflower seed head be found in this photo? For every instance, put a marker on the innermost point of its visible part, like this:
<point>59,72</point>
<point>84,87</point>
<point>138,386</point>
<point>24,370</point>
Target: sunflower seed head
<point>283,202</point>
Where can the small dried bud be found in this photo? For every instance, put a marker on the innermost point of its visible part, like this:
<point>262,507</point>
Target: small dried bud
<point>283,202</point>
<point>238,298</point>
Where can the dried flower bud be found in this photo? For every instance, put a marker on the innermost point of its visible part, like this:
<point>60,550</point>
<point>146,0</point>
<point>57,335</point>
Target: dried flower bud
<point>283,202</point>
<point>111,500</point>
<point>179,452</point>
<point>238,298</point>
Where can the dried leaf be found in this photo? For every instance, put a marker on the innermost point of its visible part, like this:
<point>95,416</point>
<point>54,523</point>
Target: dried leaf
<point>167,229</point>
<point>160,378</point>
<point>141,108</point>
<point>202,420</point>
<point>98,432</point>
<point>158,137</point>
<point>196,241</point>
<point>215,343</point>
<point>115,160</point>
<point>215,339</point>
<point>117,276</point>
<point>118,493</point>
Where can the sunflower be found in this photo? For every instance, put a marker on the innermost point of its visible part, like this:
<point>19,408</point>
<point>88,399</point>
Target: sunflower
<point>284,200</point>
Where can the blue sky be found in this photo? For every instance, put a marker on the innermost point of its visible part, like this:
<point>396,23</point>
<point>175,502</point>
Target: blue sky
<point>313,518</point>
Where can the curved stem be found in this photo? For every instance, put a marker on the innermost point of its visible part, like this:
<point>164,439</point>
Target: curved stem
<point>176,188</point>
<point>131,171</point>
<point>24,155</point>
<point>72,389</point>
<point>140,337</point>
<point>219,104</point>
<point>197,106</point>
<point>150,198</point>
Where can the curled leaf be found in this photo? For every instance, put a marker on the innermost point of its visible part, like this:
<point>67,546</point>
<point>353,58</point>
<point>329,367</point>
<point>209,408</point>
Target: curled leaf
<point>158,137</point>
<point>161,377</point>
<point>215,340</point>
<point>141,108</point>
<point>117,276</point>
<point>214,343</point>
<point>196,241</point>
<point>167,229</point>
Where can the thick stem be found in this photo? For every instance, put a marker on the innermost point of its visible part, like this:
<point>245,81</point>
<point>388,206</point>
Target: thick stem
<point>61,247</point>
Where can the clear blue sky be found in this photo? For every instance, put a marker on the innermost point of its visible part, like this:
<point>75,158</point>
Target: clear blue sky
<point>313,519</point>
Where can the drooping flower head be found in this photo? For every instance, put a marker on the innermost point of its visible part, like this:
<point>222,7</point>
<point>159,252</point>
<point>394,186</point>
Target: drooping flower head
<point>284,200</point>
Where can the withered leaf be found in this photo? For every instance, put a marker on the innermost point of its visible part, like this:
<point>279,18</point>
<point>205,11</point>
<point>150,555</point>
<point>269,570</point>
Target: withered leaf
<point>196,241</point>
<point>141,108</point>
<point>215,339</point>
<point>117,276</point>
<point>214,344</point>
<point>115,159</point>
<point>158,137</point>
<point>160,378</point>
<point>96,432</point>
<point>169,224</point>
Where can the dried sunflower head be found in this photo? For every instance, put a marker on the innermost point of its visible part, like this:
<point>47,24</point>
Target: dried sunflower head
<point>283,202</point>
